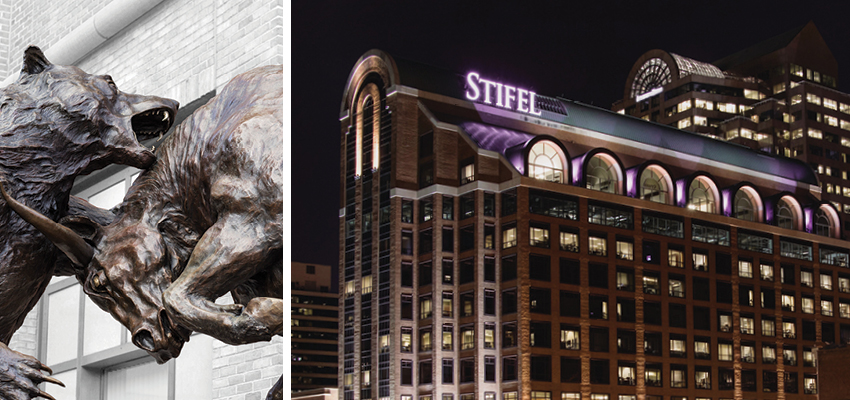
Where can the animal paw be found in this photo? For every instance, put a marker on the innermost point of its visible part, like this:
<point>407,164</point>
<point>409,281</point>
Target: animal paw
<point>21,374</point>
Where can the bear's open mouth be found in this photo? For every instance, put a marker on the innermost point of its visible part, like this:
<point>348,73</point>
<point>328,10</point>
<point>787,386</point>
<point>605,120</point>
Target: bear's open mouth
<point>152,123</point>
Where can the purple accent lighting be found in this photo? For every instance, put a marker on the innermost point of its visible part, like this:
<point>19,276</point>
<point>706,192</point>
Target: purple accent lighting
<point>726,194</point>
<point>768,211</point>
<point>578,170</point>
<point>506,142</point>
<point>808,213</point>
<point>681,199</point>
<point>631,182</point>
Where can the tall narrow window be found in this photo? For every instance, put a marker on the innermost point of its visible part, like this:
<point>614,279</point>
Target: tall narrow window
<point>467,173</point>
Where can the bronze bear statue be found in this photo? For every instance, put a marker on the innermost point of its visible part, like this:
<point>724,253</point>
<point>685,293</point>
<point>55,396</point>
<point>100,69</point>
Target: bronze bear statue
<point>56,122</point>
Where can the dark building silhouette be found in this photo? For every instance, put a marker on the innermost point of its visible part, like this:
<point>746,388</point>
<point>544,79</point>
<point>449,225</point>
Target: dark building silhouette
<point>314,323</point>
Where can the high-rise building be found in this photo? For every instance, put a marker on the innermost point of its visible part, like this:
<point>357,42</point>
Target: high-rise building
<point>778,96</point>
<point>314,323</point>
<point>496,243</point>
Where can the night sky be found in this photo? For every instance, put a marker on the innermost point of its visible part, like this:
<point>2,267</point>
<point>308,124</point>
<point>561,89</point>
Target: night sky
<point>579,52</point>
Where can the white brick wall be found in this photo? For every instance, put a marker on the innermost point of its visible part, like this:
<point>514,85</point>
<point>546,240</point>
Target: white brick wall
<point>246,372</point>
<point>25,339</point>
<point>180,49</point>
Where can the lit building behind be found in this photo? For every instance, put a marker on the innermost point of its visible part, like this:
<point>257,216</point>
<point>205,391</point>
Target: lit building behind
<point>314,323</point>
<point>778,96</point>
<point>497,243</point>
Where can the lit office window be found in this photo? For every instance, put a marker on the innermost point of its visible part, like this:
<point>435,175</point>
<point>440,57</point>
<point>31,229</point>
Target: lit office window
<point>539,236</point>
<point>724,352</point>
<point>825,281</point>
<point>768,327</point>
<point>745,269</point>
<point>748,353</point>
<point>704,104</point>
<point>625,250</point>
<point>789,330</point>
<point>806,278</point>
<point>675,258</point>
<point>766,272</point>
<point>508,237</point>
<point>569,241</point>
<point>768,354</point>
<point>808,305</point>
<point>598,246</point>
<point>467,173</point>
<point>826,307</point>
<point>830,104</point>
<point>813,98</point>
<point>747,325</point>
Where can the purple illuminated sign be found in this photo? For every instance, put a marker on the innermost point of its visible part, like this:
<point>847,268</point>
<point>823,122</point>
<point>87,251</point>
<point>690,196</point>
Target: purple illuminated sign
<point>505,96</point>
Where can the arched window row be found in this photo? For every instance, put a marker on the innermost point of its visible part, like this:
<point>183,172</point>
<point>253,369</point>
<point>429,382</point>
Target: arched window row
<point>602,171</point>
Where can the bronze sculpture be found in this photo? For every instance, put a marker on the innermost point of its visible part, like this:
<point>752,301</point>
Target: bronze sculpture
<point>205,219</point>
<point>56,122</point>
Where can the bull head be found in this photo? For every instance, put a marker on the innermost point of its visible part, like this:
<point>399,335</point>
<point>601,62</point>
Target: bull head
<point>138,264</point>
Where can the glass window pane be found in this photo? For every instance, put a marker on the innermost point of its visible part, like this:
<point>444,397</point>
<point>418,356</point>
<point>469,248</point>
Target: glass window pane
<point>101,330</point>
<point>109,197</point>
<point>194,369</point>
<point>69,392</point>
<point>138,382</point>
<point>62,325</point>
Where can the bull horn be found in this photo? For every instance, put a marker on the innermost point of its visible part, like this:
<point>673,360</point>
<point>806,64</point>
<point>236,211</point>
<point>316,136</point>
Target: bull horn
<point>80,252</point>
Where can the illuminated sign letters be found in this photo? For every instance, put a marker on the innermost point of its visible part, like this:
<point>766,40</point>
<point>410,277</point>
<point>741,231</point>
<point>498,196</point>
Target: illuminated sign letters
<point>505,96</point>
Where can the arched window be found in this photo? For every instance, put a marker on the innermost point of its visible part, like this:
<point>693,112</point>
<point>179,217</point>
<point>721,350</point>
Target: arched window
<point>826,221</point>
<point>823,224</point>
<point>653,185</point>
<point>747,205</point>
<point>787,213</point>
<point>654,73</point>
<point>701,195</point>
<point>602,174</point>
<point>546,162</point>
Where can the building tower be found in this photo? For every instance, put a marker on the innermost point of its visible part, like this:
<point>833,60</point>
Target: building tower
<point>777,96</point>
<point>496,243</point>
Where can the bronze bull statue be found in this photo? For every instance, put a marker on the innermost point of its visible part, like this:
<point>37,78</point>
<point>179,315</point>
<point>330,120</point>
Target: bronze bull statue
<point>204,220</point>
<point>56,122</point>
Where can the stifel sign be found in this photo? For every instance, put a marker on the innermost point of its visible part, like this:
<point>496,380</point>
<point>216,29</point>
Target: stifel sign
<point>505,96</point>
